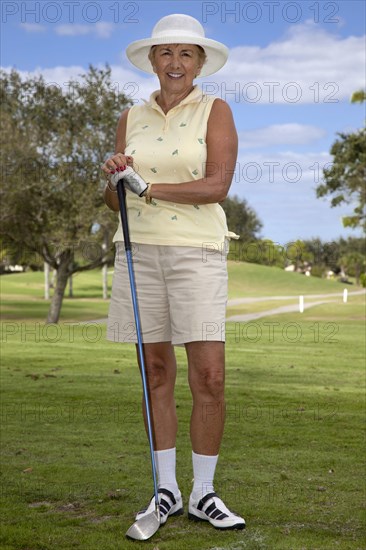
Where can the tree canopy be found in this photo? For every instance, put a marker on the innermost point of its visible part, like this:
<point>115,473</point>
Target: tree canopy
<point>53,144</point>
<point>345,180</point>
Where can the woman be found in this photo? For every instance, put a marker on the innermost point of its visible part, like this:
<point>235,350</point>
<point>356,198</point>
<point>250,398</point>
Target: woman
<point>184,144</point>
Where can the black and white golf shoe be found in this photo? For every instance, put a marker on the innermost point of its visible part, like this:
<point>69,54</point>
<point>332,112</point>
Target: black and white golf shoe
<point>211,508</point>
<point>169,505</point>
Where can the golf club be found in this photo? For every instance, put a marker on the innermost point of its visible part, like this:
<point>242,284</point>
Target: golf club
<point>147,526</point>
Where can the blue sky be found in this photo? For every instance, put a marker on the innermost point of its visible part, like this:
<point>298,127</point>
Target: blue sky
<point>291,71</point>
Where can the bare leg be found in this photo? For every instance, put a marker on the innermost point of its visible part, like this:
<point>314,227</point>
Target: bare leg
<point>206,372</point>
<point>161,369</point>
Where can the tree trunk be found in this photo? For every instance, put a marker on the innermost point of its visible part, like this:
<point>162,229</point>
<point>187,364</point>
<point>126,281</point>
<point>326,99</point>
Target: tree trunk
<point>53,280</point>
<point>46,268</point>
<point>63,272</point>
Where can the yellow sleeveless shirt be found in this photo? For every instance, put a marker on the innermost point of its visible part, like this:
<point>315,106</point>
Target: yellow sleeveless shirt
<point>171,148</point>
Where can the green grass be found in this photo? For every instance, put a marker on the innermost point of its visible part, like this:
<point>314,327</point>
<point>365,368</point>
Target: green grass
<point>22,294</point>
<point>257,280</point>
<point>23,297</point>
<point>75,461</point>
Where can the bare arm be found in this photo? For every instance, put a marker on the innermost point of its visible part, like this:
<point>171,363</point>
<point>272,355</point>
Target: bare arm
<point>222,150</point>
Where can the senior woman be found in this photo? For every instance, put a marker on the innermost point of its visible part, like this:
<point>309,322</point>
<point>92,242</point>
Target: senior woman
<point>184,144</point>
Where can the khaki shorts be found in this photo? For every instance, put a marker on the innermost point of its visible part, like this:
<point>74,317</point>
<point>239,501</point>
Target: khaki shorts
<point>181,291</point>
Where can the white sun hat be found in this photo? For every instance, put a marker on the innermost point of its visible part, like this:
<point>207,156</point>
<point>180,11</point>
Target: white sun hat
<point>178,28</point>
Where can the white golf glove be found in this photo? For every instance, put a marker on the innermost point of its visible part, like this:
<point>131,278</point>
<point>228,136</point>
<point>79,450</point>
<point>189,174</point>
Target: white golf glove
<point>131,180</point>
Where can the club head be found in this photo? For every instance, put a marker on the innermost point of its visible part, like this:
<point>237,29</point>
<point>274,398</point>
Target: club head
<point>145,527</point>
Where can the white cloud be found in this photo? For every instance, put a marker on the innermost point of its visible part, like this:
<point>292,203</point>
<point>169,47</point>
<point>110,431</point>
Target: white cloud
<point>73,30</point>
<point>101,29</point>
<point>307,65</point>
<point>280,134</point>
<point>32,27</point>
<point>279,170</point>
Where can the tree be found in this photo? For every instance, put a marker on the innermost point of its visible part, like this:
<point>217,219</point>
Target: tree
<point>345,179</point>
<point>352,244</point>
<point>340,255</point>
<point>241,218</point>
<point>353,263</point>
<point>53,144</point>
<point>325,254</point>
<point>359,96</point>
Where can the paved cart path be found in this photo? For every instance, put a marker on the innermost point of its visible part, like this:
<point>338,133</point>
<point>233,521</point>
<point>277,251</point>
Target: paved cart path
<point>285,309</point>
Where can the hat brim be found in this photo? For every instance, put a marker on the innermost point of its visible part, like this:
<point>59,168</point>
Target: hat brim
<point>216,52</point>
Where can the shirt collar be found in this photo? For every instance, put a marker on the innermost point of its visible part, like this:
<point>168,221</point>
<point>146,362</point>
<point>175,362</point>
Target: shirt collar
<point>195,96</point>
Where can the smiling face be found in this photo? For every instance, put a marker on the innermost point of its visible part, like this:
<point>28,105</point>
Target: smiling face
<point>176,65</point>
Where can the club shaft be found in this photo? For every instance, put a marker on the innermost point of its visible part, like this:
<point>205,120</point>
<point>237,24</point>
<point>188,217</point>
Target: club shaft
<point>126,235</point>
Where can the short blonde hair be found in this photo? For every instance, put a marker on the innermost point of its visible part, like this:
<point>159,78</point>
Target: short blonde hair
<point>201,54</point>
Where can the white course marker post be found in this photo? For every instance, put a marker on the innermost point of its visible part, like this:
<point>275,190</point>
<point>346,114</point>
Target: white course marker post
<point>301,304</point>
<point>345,296</point>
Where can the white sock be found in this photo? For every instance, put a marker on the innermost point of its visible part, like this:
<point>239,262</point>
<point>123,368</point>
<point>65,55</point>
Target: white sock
<point>203,471</point>
<point>165,466</point>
